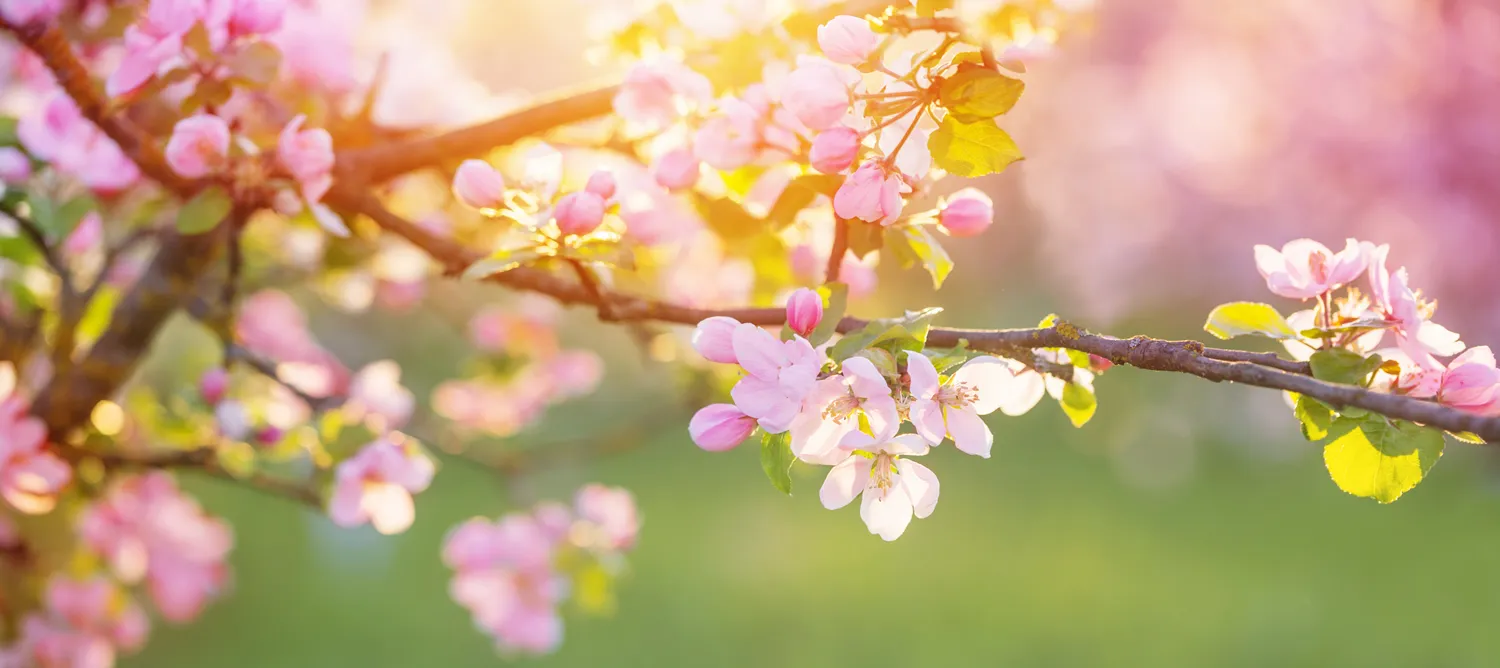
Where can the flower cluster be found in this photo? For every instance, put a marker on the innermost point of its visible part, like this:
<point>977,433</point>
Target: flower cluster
<point>85,623</point>
<point>513,573</point>
<point>31,476</point>
<point>197,37</point>
<point>375,485</point>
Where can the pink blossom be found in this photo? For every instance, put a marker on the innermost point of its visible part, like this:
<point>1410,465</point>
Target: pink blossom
<point>720,427</point>
<point>146,528</point>
<point>97,607</point>
<point>870,194</point>
<point>58,133</point>
<point>26,12</point>
<point>317,42</point>
<point>601,183</point>
<point>834,149</point>
<point>833,410</point>
<point>579,212</point>
<point>516,540</point>
<point>1304,268</point>
<point>714,339</point>
<point>308,156</point>
<point>377,397</point>
<point>88,235</point>
<point>953,408</point>
<point>655,92</point>
<point>804,310</point>
<point>479,185</point>
<point>504,577</point>
<point>199,145</point>
<point>1393,298</point>
<point>213,385</point>
<point>15,167</point>
<point>894,487</point>
<point>611,512</point>
<point>376,485</point>
<point>48,643</point>
<point>966,213</point>
<point>779,375</point>
<point>848,40</point>
<point>1472,382</point>
<point>30,476</point>
<point>573,373</point>
<point>816,94</point>
<point>257,17</point>
<point>271,325</point>
<point>147,52</point>
<point>676,169</point>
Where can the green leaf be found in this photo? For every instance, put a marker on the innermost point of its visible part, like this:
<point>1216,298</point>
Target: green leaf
<point>946,360</point>
<point>776,459</point>
<point>1372,458</point>
<point>1337,365</point>
<point>837,301</point>
<point>1315,417</point>
<point>864,237</point>
<point>204,212</point>
<point>1079,403</point>
<point>977,94</point>
<point>1227,321</point>
<point>728,218</point>
<point>257,64</point>
<point>1467,437</point>
<point>500,262</point>
<point>70,213</point>
<point>972,149</point>
<point>908,332</point>
<point>8,131</point>
<point>934,259</point>
<point>799,194</point>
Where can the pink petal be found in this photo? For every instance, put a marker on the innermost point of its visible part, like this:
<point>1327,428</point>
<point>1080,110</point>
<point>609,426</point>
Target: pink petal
<point>844,482</point>
<point>970,433</point>
<point>921,485</point>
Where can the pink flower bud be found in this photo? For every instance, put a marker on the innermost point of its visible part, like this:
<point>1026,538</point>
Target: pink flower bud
<point>816,95</point>
<point>478,185</point>
<point>676,169</point>
<point>256,17</point>
<point>23,12</point>
<point>87,235</point>
<point>804,310</point>
<point>198,146</point>
<point>833,150</point>
<point>870,194</point>
<point>308,156</point>
<point>967,213</point>
<point>720,427</point>
<point>1099,364</point>
<point>601,183</point>
<point>213,385</point>
<point>269,435</point>
<point>714,339</point>
<point>15,167</point>
<point>848,40</point>
<point>579,213</point>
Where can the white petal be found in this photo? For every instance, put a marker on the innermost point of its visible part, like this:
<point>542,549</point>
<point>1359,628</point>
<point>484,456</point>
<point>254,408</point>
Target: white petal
<point>886,514</point>
<point>1020,393</point>
<point>864,378</point>
<point>881,413</point>
<point>909,445</point>
<point>815,440</point>
<point>988,376</point>
<point>970,433</point>
<point>927,417</point>
<point>844,482</point>
<point>921,485</point>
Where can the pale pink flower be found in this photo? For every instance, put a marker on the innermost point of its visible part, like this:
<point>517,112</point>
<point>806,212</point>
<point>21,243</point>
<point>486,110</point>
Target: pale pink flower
<point>479,185</point>
<point>48,643</point>
<point>573,373</point>
<point>317,42</point>
<point>656,92</point>
<point>601,183</point>
<point>376,485</point>
<point>146,54</point>
<point>26,12</point>
<point>256,17</point>
<point>213,385</point>
<point>377,396</point>
<point>894,487</point>
<point>579,212</point>
<point>848,40</point>
<point>504,578</point>
<point>199,145</point>
<point>516,541</point>
<point>834,149</point>
<point>271,325</point>
<point>15,167</point>
<point>966,213</point>
<point>611,513</point>
<point>871,194</point>
<point>833,410</point>
<point>30,476</point>
<point>676,169</point>
<point>88,235</point>
<point>1304,268</point>
<point>816,93</point>
<point>953,408</point>
<point>1393,298</point>
<point>779,375</point>
<point>307,155</point>
<point>804,310</point>
<point>714,339</point>
<point>98,607</point>
<point>59,134</point>
<point>720,427</point>
<point>1472,382</point>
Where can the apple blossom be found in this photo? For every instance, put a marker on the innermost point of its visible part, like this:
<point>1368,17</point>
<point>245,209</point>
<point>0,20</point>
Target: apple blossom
<point>720,427</point>
<point>871,194</point>
<point>953,408</point>
<point>1472,382</point>
<point>199,145</point>
<point>779,375</point>
<point>816,93</point>
<point>848,40</point>
<point>377,397</point>
<point>213,384</point>
<point>676,169</point>
<point>611,513</point>
<point>257,17</point>
<point>1304,268</point>
<point>25,12</point>
<point>1417,335</point>
<point>579,213</point>
<point>834,149</point>
<point>714,339</point>
<point>479,185</point>
<point>601,183</point>
<point>966,213</point>
<point>804,310</point>
<point>15,167</point>
<point>88,235</point>
<point>96,606</point>
<point>376,485</point>
<point>656,92</point>
<point>307,155</point>
<point>839,405</point>
<point>894,488</point>
<point>30,476</point>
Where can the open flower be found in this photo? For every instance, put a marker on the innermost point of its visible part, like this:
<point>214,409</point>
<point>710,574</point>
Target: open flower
<point>780,374</point>
<point>848,40</point>
<point>837,406</point>
<point>198,146</point>
<point>376,485</point>
<point>1409,318</point>
<point>1304,268</point>
<point>894,487</point>
<point>952,408</point>
<point>872,193</point>
<point>30,477</point>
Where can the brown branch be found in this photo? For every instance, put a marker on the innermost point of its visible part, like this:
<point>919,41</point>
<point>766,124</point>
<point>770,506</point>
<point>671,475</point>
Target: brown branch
<point>836,253</point>
<point>202,459</point>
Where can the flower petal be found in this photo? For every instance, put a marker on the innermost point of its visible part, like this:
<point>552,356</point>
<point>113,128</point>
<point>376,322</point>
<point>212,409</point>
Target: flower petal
<point>886,512</point>
<point>921,485</point>
<point>988,376</point>
<point>970,433</point>
<point>758,352</point>
<point>927,417</point>
<point>924,376</point>
<point>844,482</point>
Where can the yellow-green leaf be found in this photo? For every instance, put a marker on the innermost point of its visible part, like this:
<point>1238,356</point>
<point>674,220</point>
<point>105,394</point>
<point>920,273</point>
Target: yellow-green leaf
<point>776,459</point>
<point>1079,403</point>
<point>1238,318</point>
<point>1467,437</point>
<point>1315,417</point>
<point>977,93</point>
<point>972,149</point>
<point>204,211</point>
<point>500,262</point>
<point>934,259</point>
<point>1372,458</point>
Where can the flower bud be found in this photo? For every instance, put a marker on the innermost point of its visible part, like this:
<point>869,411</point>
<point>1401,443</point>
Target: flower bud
<point>967,213</point>
<point>213,385</point>
<point>269,435</point>
<point>478,185</point>
<point>15,167</point>
<point>601,183</point>
<point>676,169</point>
<point>257,17</point>
<point>720,427</point>
<point>804,310</point>
<point>848,40</point>
<point>198,145</point>
<point>579,212</point>
<point>834,149</point>
<point>714,339</point>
